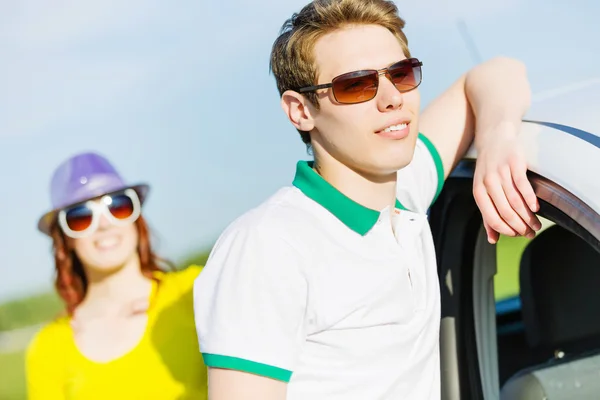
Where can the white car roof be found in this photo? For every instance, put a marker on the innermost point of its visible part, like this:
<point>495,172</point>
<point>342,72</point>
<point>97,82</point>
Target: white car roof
<point>562,139</point>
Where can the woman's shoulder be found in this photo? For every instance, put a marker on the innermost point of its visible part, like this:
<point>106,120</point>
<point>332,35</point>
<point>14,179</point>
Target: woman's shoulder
<point>51,337</point>
<point>185,276</point>
<point>178,282</point>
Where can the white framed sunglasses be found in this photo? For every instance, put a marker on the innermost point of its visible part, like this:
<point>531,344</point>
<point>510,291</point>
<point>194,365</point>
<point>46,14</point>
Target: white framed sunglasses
<point>81,220</point>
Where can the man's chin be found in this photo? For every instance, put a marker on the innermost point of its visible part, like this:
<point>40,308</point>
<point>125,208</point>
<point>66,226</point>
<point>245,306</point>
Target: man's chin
<point>399,162</point>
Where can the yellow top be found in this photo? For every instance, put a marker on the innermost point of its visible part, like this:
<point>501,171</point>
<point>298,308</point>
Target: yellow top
<point>166,363</point>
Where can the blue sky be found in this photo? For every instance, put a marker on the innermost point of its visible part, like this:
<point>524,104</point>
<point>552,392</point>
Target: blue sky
<point>179,95</point>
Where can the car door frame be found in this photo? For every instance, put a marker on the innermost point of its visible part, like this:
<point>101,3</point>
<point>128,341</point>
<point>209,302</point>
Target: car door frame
<point>456,223</point>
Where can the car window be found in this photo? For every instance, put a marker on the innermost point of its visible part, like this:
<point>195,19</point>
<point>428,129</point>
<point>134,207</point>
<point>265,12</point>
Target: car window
<point>508,256</point>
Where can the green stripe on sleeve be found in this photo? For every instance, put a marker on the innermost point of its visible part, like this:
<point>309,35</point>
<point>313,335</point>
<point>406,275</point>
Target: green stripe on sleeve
<point>439,166</point>
<point>239,364</point>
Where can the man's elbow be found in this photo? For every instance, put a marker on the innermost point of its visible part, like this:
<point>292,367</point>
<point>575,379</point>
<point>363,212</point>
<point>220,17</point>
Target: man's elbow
<point>509,62</point>
<point>501,74</point>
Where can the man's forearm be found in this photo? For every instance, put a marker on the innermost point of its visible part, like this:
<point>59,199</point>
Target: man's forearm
<point>499,93</point>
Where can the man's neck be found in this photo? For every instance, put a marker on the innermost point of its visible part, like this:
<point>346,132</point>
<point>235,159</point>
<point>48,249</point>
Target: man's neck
<point>374,192</point>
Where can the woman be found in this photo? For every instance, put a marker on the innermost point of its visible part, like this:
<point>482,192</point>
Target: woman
<point>128,330</point>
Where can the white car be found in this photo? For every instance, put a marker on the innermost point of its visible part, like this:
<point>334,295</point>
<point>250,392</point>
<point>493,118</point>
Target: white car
<point>543,342</point>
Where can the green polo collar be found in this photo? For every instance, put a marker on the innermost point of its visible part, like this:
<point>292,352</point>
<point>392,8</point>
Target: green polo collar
<point>355,216</point>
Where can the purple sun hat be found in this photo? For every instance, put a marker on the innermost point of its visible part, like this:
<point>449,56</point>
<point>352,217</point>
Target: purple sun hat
<point>80,178</point>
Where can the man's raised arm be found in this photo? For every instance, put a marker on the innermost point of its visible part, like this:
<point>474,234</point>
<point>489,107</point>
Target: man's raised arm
<point>485,107</point>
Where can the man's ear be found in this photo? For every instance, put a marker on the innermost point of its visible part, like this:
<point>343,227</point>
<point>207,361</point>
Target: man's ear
<point>298,109</point>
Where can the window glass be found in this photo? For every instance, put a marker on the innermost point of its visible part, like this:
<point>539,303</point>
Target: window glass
<point>508,257</point>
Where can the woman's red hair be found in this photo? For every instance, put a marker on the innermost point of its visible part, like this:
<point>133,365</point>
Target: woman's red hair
<point>71,282</point>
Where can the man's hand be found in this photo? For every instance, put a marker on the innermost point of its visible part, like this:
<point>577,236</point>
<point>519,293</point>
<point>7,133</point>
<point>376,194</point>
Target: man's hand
<point>501,188</point>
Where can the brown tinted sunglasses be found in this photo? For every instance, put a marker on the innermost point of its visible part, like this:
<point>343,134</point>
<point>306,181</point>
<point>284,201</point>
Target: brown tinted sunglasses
<point>360,86</point>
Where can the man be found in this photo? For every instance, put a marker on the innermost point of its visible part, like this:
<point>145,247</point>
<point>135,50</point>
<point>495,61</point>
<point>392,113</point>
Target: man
<point>328,290</point>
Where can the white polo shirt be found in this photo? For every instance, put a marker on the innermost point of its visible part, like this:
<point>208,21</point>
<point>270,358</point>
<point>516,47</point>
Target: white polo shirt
<point>313,289</point>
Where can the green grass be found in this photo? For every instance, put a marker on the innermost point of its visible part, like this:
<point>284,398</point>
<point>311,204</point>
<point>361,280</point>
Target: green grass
<point>12,379</point>
<point>18,314</point>
<point>29,311</point>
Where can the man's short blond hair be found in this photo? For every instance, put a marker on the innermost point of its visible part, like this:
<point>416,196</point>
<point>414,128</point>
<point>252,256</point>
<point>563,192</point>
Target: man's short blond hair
<point>292,59</point>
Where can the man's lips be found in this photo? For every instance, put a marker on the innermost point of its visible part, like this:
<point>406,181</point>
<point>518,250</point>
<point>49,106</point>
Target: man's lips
<point>395,131</point>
